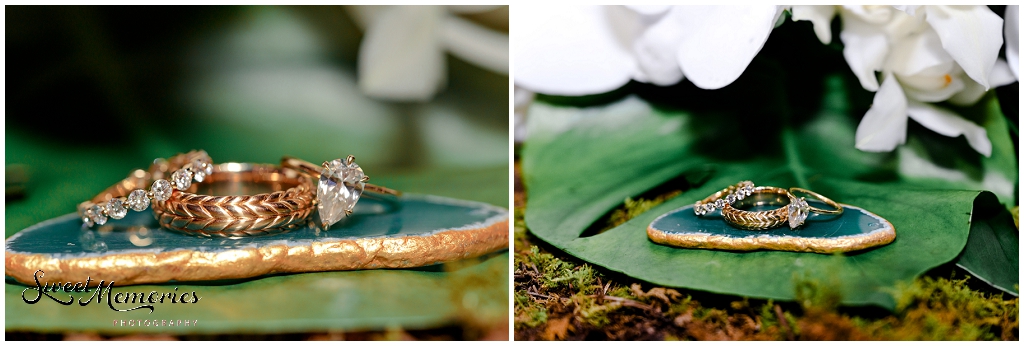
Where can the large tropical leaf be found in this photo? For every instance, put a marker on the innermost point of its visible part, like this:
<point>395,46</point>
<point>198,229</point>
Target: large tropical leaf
<point>581,162</point>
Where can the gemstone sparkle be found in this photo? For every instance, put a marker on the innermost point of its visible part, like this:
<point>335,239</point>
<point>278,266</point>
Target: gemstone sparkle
<point>116,208</point>
<point>797,213</point>
<point>200,169</point>
<point>161,190</point>
<point>182,179</point>
<point>96,214</point>
<point>340,186</point>
<point>137,200</point>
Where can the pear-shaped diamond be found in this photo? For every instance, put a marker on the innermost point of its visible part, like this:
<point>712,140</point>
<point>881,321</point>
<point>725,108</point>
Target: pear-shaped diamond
<point>341,184</point>
<point>797,213</point>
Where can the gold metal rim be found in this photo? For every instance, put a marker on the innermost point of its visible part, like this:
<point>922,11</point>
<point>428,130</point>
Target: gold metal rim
<point>838,207</point>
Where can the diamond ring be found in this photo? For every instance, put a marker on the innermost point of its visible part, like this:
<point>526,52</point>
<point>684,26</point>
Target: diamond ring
<point>233,211</point>
<point>340,184</point>
<point>793,210</point>
<point>760,220</point>
<point>720,199</point>
<point>114,202</point>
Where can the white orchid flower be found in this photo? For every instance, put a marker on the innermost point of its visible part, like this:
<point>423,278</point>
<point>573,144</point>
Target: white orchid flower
<point>401,57</point>
<point>924,54</point>
<point>1011,31</point>
<point>523,98</point>
<point>584,50</point>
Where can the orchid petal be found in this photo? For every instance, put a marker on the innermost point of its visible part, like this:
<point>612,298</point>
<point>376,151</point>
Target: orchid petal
<point>570,50</point>
<point>871,14</point>
<point>884,126</point>
<point>864,47</point>
<point>400,57</point>
<point>909,9</point>
<point>971,36</point>
<point>930,88</point>
<point>1011,30</point>
<point>947,123</point>
<point>655,52</point>
<point>484,47</point>
<point>720,41</point>
<point>1001,75</point>
<point>919,51</point>
<point>470,9</point>
<point>819,16</point>
<point>363,15</point>
<point>649,10</point>
<point>522,98</point>
<point>926,72</point>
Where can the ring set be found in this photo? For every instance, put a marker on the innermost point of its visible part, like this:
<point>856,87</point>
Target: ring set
<point>734,199</point>
<point>115,201</point>
<point>338,186</point>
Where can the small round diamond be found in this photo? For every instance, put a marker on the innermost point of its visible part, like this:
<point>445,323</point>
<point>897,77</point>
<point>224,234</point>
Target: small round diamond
<point>709,208</point>
<point>698,209</point>
<point>720,203</point>
<point>182,179</point>
<point>740,195</point>
<point>97,215</point>
<point>200,170</point>
<point>87,219</point>
<point>161,190</point>
<point>730,199</point>
<point>116,208</point>
<point>137,200</point>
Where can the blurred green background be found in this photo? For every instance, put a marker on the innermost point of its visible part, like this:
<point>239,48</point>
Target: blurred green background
<point>94,92</point>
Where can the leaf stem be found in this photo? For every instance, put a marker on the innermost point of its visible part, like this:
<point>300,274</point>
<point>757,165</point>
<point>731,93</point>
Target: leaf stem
<point>793,156</point>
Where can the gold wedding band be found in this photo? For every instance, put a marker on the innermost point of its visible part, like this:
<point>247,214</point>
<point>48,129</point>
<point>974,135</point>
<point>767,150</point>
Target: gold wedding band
<point>245,214</point>
<point>793,210</point>
<point>759,220</point>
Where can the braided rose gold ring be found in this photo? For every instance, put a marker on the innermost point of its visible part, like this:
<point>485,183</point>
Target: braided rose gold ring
<point>793,210</point>
<point>760,220</point>
<point>130,192</point>
<point>244,211</point>
<point>340,184</point>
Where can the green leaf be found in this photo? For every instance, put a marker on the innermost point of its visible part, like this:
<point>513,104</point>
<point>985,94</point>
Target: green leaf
<point>580,163</point>
<point>993,250</point>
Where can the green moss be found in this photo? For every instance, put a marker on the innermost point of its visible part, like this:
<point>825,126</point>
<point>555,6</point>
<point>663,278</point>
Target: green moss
<point>528,312</point>
<point>814,294</point>
<point>927,309</point>
<point>519,230</point>
<point>633,208</point>
<point>947,309</point>
<point>594,313</point>
<point>1016,215</point>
